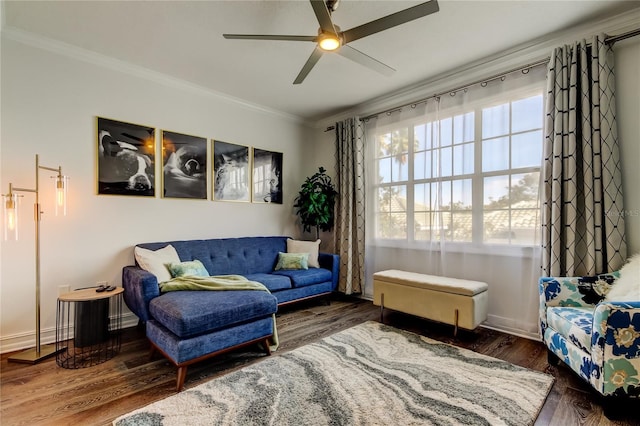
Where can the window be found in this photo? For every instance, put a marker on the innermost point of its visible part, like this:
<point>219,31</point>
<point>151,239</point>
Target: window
<point>471,176</point>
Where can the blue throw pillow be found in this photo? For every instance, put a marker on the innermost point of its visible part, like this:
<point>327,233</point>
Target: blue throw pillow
<point>189,268</point>
<point>292,261</point>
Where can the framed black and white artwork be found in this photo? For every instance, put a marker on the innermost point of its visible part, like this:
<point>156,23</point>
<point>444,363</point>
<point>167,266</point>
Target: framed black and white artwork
<point>231,172</point>
<point>184,166</point>
<point>267,176</point>
<point>126,158</point>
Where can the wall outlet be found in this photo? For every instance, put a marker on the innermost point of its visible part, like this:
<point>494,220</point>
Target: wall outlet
<point>103,283</point>
<point>63,289</point>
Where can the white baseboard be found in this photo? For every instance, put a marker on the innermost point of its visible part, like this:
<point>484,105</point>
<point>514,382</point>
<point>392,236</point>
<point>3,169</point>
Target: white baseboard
<point>19,341</point>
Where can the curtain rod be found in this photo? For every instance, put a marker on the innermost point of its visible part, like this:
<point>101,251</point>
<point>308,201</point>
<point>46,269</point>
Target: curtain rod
<point>525,68</point>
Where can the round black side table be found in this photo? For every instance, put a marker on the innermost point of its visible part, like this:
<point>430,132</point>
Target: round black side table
<point>88,325</point>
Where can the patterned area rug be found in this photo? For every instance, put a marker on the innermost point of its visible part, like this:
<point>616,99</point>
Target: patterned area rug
<point>371,374</point>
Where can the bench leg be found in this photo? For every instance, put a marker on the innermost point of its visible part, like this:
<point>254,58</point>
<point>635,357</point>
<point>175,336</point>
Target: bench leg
<point>455,324</point>
<point>382,308</point>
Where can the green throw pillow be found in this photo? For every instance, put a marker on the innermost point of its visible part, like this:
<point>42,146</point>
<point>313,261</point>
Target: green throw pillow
<point>183,269</point>
<point>292,261</point>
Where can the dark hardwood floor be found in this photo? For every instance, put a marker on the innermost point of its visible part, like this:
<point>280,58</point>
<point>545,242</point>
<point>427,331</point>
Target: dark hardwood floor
<point>46,394</point>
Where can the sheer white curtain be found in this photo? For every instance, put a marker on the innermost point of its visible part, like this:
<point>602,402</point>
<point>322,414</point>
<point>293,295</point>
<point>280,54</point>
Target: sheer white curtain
<point>452,190</point>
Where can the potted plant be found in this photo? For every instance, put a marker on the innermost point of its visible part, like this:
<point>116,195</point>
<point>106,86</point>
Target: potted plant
<point>316,202</point>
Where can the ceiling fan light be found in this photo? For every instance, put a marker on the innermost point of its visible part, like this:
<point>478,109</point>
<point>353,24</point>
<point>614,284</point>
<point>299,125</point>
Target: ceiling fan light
<point>328,42</point>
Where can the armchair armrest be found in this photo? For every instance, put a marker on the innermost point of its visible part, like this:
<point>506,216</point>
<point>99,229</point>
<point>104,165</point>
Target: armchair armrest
<point>615,347</point>
<point>570,291</point>
<point>140,287</point>
<point>332,263</point>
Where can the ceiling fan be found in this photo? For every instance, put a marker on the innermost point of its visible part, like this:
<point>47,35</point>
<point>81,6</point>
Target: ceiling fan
<point>331,39</point>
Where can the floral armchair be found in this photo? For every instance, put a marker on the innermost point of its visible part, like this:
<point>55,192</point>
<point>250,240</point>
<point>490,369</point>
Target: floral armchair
<point>598,338</point>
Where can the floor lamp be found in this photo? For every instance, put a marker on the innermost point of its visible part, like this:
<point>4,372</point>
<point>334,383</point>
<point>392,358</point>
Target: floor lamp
<point>37,354</point>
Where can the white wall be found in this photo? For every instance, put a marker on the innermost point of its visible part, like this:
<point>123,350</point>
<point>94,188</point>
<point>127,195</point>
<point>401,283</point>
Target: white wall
<point>50,100</point>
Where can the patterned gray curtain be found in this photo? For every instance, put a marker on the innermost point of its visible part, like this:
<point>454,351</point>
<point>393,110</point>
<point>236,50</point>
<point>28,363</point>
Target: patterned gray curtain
<point>582,214</point>
<point>349,223</point>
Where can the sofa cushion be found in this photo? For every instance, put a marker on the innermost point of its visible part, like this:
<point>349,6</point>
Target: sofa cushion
<point>306,277</point>
<point>311,247</point>
<point>271,281</point>
<point>189,313</point>
<point>188,268</point>
<point>574,324</point>
<point>156,260</point>
<point>291,261</point>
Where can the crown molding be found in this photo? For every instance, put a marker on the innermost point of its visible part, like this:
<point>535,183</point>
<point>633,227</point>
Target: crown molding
<point>104,61</point>
<point>535,50</point>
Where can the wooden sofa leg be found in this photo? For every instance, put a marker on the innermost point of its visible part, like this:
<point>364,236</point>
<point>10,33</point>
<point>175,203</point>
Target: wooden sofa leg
<point>267,346</point>
<point>152,352</point>
<point>182,374</point>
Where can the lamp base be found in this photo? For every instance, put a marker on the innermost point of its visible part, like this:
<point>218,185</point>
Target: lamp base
<point>31,356</point>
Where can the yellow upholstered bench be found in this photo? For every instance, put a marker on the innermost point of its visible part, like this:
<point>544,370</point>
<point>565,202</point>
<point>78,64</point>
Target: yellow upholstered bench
<point>461,303</point>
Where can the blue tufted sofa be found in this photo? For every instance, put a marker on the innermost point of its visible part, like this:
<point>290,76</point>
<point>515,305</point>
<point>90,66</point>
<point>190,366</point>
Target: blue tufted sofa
<point>189,326</point>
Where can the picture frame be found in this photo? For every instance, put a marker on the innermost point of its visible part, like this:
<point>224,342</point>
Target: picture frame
<point>184,166</point>
<point>267,176</point>
<point>231,172</point>
<point>126,158</point>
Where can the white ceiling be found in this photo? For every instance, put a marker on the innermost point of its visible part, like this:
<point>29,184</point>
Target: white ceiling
<point>183,39</point>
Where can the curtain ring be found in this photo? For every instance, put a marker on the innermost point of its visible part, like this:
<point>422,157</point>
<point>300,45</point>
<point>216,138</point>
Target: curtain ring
<point>413,106</point>
<point>452,93</point>
<point>526,71</point>
<point>503,78</point>
<point>483,84</point>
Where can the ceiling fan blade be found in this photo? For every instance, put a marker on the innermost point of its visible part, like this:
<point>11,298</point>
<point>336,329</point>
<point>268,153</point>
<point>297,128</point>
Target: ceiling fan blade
<point>317,53</point>
<point>270,37</point>
<point>323,15</point>
<point>390,21</point>
<point>363,59</point>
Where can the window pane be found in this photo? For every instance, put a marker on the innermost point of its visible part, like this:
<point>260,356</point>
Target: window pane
<point>526,149</point>
<point>397,227</point>
<point>527,114</point>
<point>400,143</point>
<point>384,170</point>
<point>495,121</point>
<point>384,145</point>
<point>463,159</point>
<point>444,195</point>
<point>462,223</point>
<point>422,136</point>
<point>421,197</point>
<point>446,132</point>
<point>495,154</point>
<point>384,199</point>
<point>496,191</point>
<point>400,170</point>
<point>422,165</point>
<point>445,166</point>
<point>422,223</point>
<point>463,128</point>
<point>496,227</point>
<point>462,197</point>
<point>524,226</point>
<point>524,190</point>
